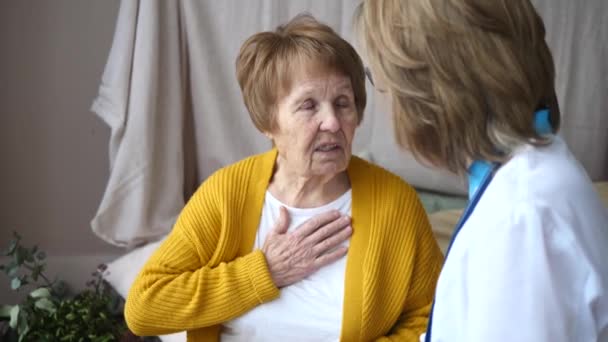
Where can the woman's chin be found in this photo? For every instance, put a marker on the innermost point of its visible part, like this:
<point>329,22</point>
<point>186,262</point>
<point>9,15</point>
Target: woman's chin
<point>326,165</point>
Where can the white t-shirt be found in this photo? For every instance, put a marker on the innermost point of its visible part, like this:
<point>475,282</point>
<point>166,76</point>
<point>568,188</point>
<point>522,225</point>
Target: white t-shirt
<point>531,263</point>
<point>309,310</point>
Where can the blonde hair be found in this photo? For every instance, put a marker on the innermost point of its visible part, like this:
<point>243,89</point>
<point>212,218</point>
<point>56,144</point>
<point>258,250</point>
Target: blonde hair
<point>464,76</point>
<point>267,61</point>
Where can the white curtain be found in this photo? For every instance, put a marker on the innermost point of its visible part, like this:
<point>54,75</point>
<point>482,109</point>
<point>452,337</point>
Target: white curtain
<point>577,33</point>
<point>169,94</point>
<point>142,98</point>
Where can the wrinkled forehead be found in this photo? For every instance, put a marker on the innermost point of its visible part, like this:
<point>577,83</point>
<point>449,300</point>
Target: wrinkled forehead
<point>303,71</point>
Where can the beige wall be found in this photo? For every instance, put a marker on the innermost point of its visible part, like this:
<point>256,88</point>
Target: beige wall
<point>54,150</point>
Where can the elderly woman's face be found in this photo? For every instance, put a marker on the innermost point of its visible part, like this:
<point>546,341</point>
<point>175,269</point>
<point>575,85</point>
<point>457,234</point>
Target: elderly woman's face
<point>315,124</point>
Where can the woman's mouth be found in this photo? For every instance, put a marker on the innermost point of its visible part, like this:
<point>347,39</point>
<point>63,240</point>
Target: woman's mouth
<point>328,148</point>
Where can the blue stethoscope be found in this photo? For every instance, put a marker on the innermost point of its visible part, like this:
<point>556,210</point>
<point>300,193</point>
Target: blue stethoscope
<point>481,173</point>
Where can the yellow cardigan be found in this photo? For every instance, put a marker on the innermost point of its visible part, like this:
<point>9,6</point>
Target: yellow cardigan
<point>206,273</point>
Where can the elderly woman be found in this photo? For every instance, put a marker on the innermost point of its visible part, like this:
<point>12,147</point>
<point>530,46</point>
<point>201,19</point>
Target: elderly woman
<point>304,242</point>
<point>471,84</point>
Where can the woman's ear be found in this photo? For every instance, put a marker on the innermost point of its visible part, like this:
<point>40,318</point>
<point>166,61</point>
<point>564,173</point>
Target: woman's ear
<point>269,136</point>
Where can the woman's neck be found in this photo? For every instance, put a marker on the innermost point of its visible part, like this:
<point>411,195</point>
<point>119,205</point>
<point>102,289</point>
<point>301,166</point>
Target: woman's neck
<point>300,191</point>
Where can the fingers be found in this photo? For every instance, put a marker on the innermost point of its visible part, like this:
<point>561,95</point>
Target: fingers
<point>326,259</point>
<point>328,230</point>
<point>282,223</point>
<point>314,223</point>
<point>314,244</point>
<point>332,241</point>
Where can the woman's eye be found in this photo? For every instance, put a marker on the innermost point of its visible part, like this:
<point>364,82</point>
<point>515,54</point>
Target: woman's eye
<point>307,105</point>
<point>343,103</point>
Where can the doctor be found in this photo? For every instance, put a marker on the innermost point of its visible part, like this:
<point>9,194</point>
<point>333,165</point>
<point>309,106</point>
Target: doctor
<point>471,83</point>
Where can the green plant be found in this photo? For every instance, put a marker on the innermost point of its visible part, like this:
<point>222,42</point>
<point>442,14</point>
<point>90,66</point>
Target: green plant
<point>50,313</point>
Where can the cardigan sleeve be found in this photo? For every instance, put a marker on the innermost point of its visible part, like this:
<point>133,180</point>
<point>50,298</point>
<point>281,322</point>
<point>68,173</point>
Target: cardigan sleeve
<point>178,289</point>
<point>428,261</point>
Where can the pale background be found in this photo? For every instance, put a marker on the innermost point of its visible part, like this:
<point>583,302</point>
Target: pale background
<point>54,150</point>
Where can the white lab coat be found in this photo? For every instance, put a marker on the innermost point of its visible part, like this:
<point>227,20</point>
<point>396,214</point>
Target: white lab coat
<point>531,263</point>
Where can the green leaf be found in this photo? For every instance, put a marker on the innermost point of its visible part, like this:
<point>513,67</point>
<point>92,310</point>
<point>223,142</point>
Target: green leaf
<point>30,254</point>
<point>12,269</point>
<point>41,292</point>
<point>5,311</point>
<point>68,337</point>
<point>11,247</point>
<point>70,316</point>
<point>59,288</point>
<point>41,256</point>
<point>24,333</point>
<point>20,255</point>
<point>15,283</point>
<point>36,271</point>
<point>45,304</point>
<point>14,317</point>
<point>23,326</point>
<point>29,258</point>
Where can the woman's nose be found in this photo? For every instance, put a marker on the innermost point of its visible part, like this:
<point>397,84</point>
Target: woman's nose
<point>329,120</point>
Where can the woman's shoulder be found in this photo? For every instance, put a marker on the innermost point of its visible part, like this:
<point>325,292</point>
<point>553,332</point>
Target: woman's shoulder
<point>244,168</point>
<point>240,172</point>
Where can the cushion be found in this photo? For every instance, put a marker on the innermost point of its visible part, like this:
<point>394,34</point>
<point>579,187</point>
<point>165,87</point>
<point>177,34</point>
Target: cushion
<point>434,202</point>
<point>443,224</point>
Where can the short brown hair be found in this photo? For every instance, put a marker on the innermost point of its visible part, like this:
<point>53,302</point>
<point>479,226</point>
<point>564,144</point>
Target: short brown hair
<point>464,76</point>
<point>267,60</point>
